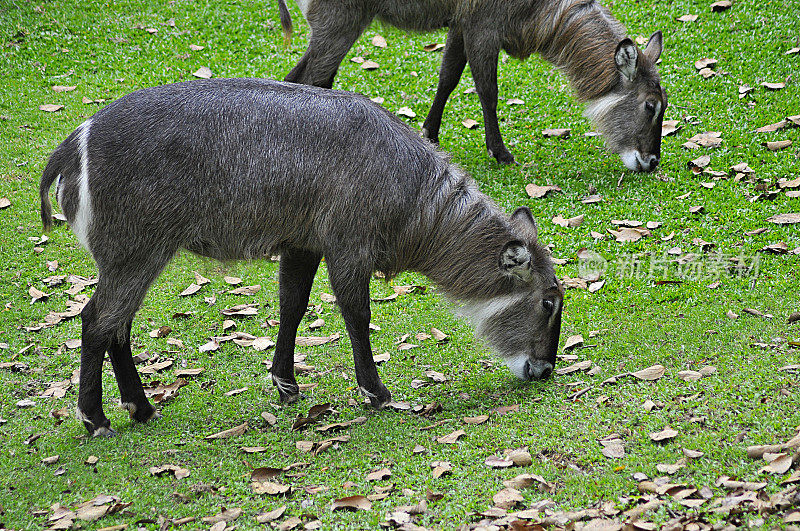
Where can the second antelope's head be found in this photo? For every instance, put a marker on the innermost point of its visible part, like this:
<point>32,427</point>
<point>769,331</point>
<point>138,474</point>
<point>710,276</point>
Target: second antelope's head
<point>629,115</point>
<point>522,325</point>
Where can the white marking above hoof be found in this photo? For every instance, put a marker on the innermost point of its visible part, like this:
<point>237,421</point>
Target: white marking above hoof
<point>130,406</point>
<point>104,432</point>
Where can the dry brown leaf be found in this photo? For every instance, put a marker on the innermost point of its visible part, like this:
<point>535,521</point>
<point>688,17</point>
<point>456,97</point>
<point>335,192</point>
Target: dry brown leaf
<point>226,515</point>
<point>664,435</point>
<point>379,475</point>
<point>264,518</point>
<point>439,336</point>
<point>245,290</point>
<point>773,127</point>
<point>270,488</point>
<point>626,234</point>
<point>177,471</point>
<point>707,73</point>
<point>436,46</point>
<point>379,41</point>
<point>507,498</point>
<point>775,248</point>
<point>537,192</point>
<point>231,432</point>
<point>705,62</point>
<point>580,366</point>
<point>670,127</point>
<point>720,5</point>
<point>778,463</point>
<point>699,163</point>
<point>407,112</point>
<point>558,133</point>
<point>191,290</point>
<point>440,468</point>
<point>614,450</point>
<point>520,457</point>
<point>687,18</point>
<point>573,341</point>
<point>50,107</point>
<point>352,503</point>
<point>4,202</point>
<point>785,219</point>
<point>480,419</point>
<point>742,167</point>
<point>773,86</point>
<point>495,461</point>
<point>381,358</point>
<point>571,222</point>
<point>469,123</point>
<point>654,372</point>
<point>241,310</point>
<point>203,72</point>
<point>451,438</point>
<point>369,64</point>
<point>313,341</point>
<point>689,376</point>
<point>777,145</point>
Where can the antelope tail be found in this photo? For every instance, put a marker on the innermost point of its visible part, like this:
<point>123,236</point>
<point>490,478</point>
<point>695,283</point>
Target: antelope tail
<point>286,22</point>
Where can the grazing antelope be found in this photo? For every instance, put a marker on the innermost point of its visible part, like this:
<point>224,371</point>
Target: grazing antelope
<point>618,81</point>
<point>245,168</point>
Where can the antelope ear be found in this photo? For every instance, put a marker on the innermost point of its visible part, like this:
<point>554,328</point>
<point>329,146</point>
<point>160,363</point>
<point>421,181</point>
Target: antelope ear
<point>516,260</point>
<point>522,219</point>
<point>654,46</point>
<point>625,57</point>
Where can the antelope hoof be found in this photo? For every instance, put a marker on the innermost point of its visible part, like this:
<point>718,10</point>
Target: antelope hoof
<point>141,414</point>
<point>291,399</point>
<point>378,399</point>
<point>503,157</point>
<point>104,432</point>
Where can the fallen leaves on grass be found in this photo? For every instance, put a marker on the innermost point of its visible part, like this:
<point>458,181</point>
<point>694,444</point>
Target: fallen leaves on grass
<point>557,133</point>
<point>536,191</point>
<point>352,503</point>
<point>231,432</point>
<point>612,446</point>
<point>314,341</point>
<point>177,471</point>
<point>664,435</point>
<point>203,72</point>
<point>451,438</point>
<point>571,222</point>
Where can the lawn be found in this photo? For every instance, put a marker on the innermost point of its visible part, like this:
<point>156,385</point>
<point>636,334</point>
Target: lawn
<point>704,299</point>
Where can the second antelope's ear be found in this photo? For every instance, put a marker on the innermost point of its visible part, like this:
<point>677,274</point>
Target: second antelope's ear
<point>516,260</point>
<point>626,57</point>
<point>654,46</point>
<point>522,220</point>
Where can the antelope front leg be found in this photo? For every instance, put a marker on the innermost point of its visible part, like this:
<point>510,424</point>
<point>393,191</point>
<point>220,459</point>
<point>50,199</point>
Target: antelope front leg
<point>483,63</point>
<point>352,294</point>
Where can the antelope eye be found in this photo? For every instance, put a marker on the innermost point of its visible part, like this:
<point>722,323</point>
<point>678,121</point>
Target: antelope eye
<point>548,305</point>
<point>650,106</point>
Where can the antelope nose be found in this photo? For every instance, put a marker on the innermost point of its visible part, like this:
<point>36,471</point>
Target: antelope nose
<point>538,369</point>
<point>652,163</point>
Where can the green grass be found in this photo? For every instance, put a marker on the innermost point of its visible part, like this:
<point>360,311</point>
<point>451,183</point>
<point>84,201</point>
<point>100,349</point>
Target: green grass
<point>97,47</point>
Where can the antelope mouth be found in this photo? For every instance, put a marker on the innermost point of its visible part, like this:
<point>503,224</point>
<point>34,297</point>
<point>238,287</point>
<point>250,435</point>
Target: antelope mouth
<point>635,161</point>
<point>529,369</point>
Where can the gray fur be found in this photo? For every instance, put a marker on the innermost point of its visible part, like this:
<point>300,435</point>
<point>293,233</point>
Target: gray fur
<point>242,169</point>
<point>580,37</point>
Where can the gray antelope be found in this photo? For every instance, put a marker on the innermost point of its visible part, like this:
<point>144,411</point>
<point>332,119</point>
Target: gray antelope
<point>242,169</point>
<point>618,82</point>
